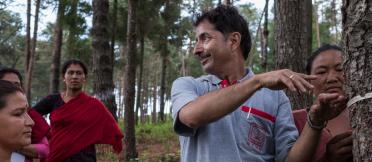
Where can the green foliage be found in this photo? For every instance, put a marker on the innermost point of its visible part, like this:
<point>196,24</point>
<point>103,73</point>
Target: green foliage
<point>157,133</point>
<point>11,42</point>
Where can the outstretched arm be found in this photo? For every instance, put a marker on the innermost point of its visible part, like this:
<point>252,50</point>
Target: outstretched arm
<point>212,106</point>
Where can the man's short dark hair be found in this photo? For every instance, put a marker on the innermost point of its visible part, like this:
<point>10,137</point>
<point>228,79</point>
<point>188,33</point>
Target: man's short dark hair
<point>226,19</point>
<point>68,63</point>
<point>6,70</point>
<point>324,47</point>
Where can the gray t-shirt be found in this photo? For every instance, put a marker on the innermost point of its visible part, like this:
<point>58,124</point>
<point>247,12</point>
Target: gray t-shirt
<point>261,129</point>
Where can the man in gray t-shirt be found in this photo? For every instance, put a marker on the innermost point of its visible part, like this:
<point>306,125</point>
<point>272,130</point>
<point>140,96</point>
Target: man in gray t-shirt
<point>233,115</point>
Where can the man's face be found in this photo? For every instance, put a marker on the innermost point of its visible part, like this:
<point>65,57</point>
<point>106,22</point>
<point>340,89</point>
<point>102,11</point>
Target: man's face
<point>11,77</point>
<point>212,49</point>
<point>327,66</point>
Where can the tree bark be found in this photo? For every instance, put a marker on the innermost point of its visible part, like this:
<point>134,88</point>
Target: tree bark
<point>264,38</point>
<point>28,39</point>
<point>317,30</point>
<point>58,34</point>
<point>154,99</point>
<point>357,34</point>
<point>162,80</point>
<point>114,26</point>
<point>139,104</point>
<point>72,37</point>
<point>103,86</point>
<point>334,18</point>
<point>28,78</point>
<point>129,84</point>
<point>293,41</point>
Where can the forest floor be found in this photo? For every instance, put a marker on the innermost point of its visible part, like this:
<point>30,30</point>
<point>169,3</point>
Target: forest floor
<point>157,142</point>
<point>154,143</point>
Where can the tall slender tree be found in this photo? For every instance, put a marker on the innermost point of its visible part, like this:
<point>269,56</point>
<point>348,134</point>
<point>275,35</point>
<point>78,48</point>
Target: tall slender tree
<point>356,37</point>
<point>103,86</point>
<point>293,36</point>
<point>129,84</point>
<point>28,73</point>
<point>58,34</point>
<point>265,37</point>
<point>28,38</point>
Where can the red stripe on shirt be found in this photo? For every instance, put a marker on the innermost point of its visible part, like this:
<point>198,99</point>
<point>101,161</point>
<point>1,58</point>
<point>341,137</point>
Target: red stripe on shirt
<point>259,113</point>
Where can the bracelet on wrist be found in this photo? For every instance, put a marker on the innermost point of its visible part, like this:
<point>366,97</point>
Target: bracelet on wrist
<point>312,125</point>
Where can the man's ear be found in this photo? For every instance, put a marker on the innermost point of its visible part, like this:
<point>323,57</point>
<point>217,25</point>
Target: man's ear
<point>235,38</point>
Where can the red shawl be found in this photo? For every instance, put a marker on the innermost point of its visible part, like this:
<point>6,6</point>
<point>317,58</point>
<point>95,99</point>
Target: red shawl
<point>40,128</point>
<point>82,122</point>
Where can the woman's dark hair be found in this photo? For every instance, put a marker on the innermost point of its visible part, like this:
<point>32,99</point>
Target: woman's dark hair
<point>6,89</point>
<point>4,71</point>
<point>226,19</point>
<point>68,63</point>
<point>324,47</point>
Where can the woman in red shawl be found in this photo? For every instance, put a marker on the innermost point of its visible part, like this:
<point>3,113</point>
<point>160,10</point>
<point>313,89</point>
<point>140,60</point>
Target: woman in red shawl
<point>78,121</point>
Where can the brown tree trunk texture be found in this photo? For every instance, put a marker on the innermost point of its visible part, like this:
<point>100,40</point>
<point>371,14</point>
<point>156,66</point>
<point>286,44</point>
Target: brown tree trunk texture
<point>71,43</point>
<point>130,76</point>
<point>317,30</point>
<point>120,94</point>
<point>139,104</point>
<point>145,97</point>
<point>113,29</point>
<point>58,34</point>
<point>334,18</point>
<point>249,60</point>
<point>28,39</point>
<point>264,38</point>
<point>162,81</point>
<point>154,96</point>
<point>293,41</point>
<point>357,34</point>
<point>103,86</point>
<point>28,78</point>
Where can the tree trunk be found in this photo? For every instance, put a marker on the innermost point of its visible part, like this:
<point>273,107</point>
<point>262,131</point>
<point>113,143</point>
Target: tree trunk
<point>334,18</point>
<point>317,30</point>
<point>293,41</point>
<point>103,86</point>
<point>264,38</point>
<point>154,99</point>
<point>27,41</point>
<point>58,34</point>
<point>72,37</point>
<point>162,80</point>
<point>129,84</point>
<point>145,97</point>
<point>139,80</point>
<point>357,43</point>
<point>114,26</point>
<point>28,78</point>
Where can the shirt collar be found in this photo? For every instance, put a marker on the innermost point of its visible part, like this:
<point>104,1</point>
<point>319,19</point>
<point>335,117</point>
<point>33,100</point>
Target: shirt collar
<point>216,81</point>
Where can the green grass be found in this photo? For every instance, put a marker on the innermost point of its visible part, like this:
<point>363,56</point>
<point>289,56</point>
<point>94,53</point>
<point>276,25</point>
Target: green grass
<point>160,132</point>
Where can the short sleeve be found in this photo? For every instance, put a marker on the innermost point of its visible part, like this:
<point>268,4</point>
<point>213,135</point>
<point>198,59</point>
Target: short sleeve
<point>184,90</point>
<point>285,130</point>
